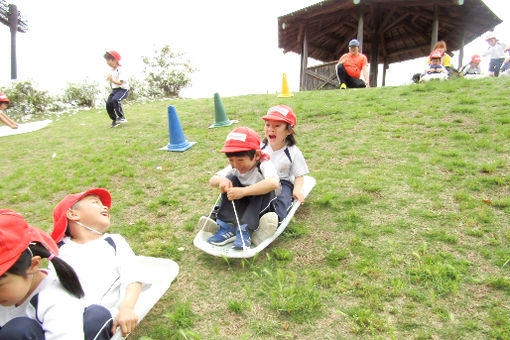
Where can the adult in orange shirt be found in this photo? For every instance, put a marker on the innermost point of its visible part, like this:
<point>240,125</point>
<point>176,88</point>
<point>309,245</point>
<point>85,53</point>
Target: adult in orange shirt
<point>350,66</point>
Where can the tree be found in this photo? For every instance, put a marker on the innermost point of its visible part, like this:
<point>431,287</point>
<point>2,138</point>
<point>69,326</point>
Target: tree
<point>166,73</point>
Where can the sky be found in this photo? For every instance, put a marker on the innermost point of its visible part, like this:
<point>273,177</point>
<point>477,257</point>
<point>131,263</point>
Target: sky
<point>233,44</point>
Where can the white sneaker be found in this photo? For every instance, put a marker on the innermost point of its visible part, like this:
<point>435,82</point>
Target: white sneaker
<point>267,227</point>
<point>121,120</point>
<point>208,224</point>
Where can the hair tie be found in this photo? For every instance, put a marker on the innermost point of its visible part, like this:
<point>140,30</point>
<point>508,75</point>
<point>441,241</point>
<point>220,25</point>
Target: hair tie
<point>51,257</point>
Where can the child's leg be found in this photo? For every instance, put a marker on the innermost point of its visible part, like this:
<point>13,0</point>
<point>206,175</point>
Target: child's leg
<point>22,328</point>
<point>8,121</point>
<point>110,107</point>
<point>284,199</point>
<point>120,94</point>
<point>97,323</point>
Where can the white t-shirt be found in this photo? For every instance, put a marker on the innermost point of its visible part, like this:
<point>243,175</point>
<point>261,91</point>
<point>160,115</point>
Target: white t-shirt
<point>104,271</point>
<point>252,176</point>
<point>59,313</point>
<point>497,51</point>
<point>119,74</point>
<point>288,170</point>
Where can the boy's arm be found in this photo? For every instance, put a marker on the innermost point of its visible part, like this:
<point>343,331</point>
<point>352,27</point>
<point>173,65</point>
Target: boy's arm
<point>127,318</point>
<point>297,193</point>
<point>259,188</point>
<point>222,182</point>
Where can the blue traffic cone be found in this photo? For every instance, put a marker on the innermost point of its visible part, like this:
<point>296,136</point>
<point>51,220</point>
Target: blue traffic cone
<point>177,140</point>
<point>220,117</point>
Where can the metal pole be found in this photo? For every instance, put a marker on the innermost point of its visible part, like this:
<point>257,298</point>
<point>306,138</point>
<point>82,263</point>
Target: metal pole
<point>13,24</point>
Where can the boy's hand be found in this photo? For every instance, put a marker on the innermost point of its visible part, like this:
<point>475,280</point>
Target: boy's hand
<point>126,320</point>
<point>224,184</point>
<point>235,193</point>
<point>298,196</point>
<point>109,78</point>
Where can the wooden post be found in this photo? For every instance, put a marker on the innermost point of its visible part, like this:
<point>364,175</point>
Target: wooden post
<point>385,67</point>
<point>435,28</point>
<point>304,62</point>
<point>461,51</point>
<point>360,31</point>
<point>13,24</point>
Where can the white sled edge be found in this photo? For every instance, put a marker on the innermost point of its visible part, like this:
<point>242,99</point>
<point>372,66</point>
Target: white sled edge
<point>201,238</point>
<point>24,128</point>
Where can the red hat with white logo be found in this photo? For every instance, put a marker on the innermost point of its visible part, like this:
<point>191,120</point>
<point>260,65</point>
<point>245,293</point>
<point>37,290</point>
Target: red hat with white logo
<point>3,98</point>
<point>436,54</point>
<point>282,113</point>
<point>476,58</point>
<point>16,235</point>
<point>114,54</point>
<point>241,139</point>
<point>60,211</point>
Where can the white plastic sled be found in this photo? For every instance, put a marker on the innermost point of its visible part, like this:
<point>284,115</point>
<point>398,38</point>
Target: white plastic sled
<point>226,250</point>
<point>160,273</point>
<point>23,128</point>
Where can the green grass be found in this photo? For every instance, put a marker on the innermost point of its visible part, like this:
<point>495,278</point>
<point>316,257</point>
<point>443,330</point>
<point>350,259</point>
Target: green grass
<point>405,236</point>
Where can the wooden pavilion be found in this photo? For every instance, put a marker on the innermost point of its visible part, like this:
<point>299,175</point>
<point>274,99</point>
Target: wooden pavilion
<point>389,31</point>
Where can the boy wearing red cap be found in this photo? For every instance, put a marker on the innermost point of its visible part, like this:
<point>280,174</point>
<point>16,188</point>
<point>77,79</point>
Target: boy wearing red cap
<point>280,144</point>
<point>247,188</point>
<point>120,89</point>
<point>33,304</point>
<point>473,68</point>
<point>4,104</point>
<point>104,262</point>
<point>435,70</point>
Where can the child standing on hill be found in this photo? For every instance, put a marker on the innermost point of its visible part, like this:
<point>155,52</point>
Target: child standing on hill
<point>120,89</point>
<point>496,51</point>
<point>104,262</point>
<point>280,144</point>
<point>4,104</point>
<point>248,183</point>
<point>33,304</point>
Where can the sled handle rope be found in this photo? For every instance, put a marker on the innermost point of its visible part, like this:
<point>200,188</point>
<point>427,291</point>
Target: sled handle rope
<point>212,209</point>
<point>238,225</point>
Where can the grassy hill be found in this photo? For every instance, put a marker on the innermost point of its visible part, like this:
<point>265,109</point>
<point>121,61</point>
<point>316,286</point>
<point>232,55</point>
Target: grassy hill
<point>405,236</point>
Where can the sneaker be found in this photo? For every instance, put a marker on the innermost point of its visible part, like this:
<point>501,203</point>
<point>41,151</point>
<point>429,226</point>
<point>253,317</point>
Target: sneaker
<point>267,227</point>
<point>114,124</point>
<point>246,237</point>
<point>225,235</point>
<point>207,224</point>
<point>343,86</point>
<point>122,120</point>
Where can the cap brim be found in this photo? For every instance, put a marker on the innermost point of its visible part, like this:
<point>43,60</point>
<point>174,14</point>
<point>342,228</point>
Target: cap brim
<point>5,266</point>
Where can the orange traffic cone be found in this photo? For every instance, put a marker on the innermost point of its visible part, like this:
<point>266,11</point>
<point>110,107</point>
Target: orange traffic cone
<point>285,88</point>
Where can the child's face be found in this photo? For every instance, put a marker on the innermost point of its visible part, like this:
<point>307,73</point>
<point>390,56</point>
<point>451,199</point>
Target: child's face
<point>3,106</point>
<point>276,132</point>
<point>112,63</point>
<point>435,61</point>
<point>14,289</point>
<point>93,213</point>
<point>244,164</point>
<point>492,41</point>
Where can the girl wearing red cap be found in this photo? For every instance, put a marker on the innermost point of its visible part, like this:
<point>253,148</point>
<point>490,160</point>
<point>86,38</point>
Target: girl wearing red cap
<point>4,104</point>
<point>288,160</point>
<point>33,304</point>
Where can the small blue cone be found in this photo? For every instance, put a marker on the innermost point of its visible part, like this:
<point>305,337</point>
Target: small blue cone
<point>177,140</point>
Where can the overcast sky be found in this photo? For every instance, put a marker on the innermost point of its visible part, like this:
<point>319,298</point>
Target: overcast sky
<point>232,43</point>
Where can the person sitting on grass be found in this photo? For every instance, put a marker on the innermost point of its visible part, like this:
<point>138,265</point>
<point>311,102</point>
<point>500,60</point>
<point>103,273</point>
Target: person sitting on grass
<point>440,46</point>
<point>473,68</point>
<point>247,188</point>
<point>434,70</point>
<point>4,104</point>
<point>350,66</point>
<point>34,304</point>
<point>105,263</point>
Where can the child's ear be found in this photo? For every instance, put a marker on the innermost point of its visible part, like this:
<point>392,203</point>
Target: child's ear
<point>257,154</point>
<point>72,215</point>
<point>34,265</point>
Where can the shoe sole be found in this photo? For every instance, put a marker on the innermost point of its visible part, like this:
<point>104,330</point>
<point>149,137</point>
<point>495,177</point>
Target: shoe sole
<point>222,243</point>
<point>207,224</point>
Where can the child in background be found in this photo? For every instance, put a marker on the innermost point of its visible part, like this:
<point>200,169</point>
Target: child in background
<point>248,182</point>
<point>120,89</point>
<point>434,70</point>
<point>473,68</point>
<point>440,46</point>
<point>4,104</point>
<point>288,160</point>
<point>496,51</point>
<point>104,262</point>
<point>33,304</point>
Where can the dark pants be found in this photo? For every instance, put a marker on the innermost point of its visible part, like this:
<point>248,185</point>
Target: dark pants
<point>284,200</point>
<point>113,106</point>
<point>344,78</point>
<point>505,67</point>
<point>97,323</point>
<point>249,208</point>
<point>495,65</point>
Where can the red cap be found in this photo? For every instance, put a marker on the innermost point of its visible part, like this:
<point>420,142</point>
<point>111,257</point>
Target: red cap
<point>3,98</point>
<point>16,235</point>
<point>436,54</point>
<point>115,55</point>
<point>476,58</point>
<point>282,113</point>
<point>60,211</point>
<point>241,139</point>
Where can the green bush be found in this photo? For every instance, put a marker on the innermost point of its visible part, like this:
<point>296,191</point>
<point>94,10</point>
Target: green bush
<point>83,95</point>
<point>26,100</point>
